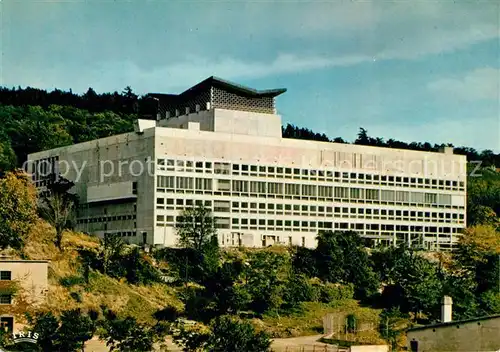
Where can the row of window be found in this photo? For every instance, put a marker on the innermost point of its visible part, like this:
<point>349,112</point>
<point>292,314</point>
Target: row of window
<point>305,174</point>
<point>308,226</point>
<point>124,233</point>
<point>290,190</point>
<point>106,219</point>
<point>310,210</point>
<point>297,209</point>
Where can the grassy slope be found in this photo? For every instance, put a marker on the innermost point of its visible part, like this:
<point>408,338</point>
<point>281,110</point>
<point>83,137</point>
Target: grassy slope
<point>138,301</point>
<point>310,321</point>
<point>142,301</point>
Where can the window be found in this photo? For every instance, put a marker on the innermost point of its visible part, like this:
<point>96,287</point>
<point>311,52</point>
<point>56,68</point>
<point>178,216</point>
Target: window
<point>417,197</point>
<point>341,192</point>
<point>309,190</point>
<point>386,195</point>
<point>224,185</point>
<point>240,186</point>
<point>5,275</point>
<point>357,193</point>
<point>222,168</point>
<point>203,184</point>
<point>325,191</point>
<point>165,182</point>
<point>5,298</point>
<point>134,187</point>
<point>275,188</point>
<point>257,187</point>
<point>184,182</point>
<point>292,189</point>
<point>402,196</point>
<point>431,198</point>
<point>372,194</point>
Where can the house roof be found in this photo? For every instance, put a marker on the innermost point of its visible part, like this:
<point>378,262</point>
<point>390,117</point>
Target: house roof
<point>225,85</point>
<point>454,322</point>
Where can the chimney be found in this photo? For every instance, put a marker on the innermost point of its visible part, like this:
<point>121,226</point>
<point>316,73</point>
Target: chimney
<point>446,309</point>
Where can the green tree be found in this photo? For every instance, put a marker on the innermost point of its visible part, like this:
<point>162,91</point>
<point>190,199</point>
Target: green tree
<point>265,278</point>
<point>7,156</point>
<point>18,209</point>
<point>341,257</point>
<point>127,335</point>
<point>412,282</point>
<point>226,334</point>
<point>392,327</point>
<point>57,207</point>
<point>66,334</point>
<point>304,261</point>
<point>111,251</point>
<point>196,228</point>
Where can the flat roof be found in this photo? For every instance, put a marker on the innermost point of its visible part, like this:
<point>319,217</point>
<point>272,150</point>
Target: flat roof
<point>225,85</point>
<point>455,322</point>
<point>23,261</point>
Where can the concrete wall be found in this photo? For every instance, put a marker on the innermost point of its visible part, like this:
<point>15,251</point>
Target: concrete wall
<point>205,118</point>
<point>31,275</point>
<point>105,165</point>
<point>479,335</point>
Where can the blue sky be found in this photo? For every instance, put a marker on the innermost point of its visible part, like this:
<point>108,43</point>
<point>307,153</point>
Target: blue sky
<point>413,71</point>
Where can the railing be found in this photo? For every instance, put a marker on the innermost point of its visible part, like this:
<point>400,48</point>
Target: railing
<point>311,348</point>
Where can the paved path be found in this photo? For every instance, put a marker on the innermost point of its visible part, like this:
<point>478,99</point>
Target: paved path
<point>278,345</point>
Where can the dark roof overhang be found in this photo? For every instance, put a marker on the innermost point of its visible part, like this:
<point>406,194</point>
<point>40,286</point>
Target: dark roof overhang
<point>224,85</point>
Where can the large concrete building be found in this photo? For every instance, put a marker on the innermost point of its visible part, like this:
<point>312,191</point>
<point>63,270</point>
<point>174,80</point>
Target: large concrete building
<point>220,145</point>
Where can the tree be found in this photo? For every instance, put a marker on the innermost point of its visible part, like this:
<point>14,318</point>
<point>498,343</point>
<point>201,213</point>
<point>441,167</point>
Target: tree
<point>412,282</point>
<point>17,209</point>
<point>66,334</point>
<point>304,261</point>
<point>7,156</point>
<point>226,334</point>
<point>58,207</point>
<point>112,249</point>
<point>127,335</point>
<point>196,228</point>
<point>392,326</point>
<point>197,233</point>
<point>363,137</point>
<point>341,257</point>
<point>266,277</point>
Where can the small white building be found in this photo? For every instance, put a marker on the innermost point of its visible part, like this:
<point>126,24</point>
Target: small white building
<point>220,145</point>
<point>30,276</point>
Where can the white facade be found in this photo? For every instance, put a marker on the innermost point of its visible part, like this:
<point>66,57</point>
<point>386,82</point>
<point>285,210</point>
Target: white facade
<point>263,189</point>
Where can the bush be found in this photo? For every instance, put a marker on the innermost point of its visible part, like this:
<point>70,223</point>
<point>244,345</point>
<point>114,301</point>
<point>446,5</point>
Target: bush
<point>329,292</point>
<point>70,281</point>
<point>226,334</point>
<point>299,289</point>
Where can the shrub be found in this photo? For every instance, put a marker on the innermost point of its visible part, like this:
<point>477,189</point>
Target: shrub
<point>72,280</point>
<point>335,292</point>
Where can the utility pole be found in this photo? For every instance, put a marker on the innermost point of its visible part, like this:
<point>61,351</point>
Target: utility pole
<point>499,273</point>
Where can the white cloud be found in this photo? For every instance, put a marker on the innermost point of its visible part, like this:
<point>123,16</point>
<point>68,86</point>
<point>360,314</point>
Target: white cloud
<point>480,84</point>
<point>286,37</point>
